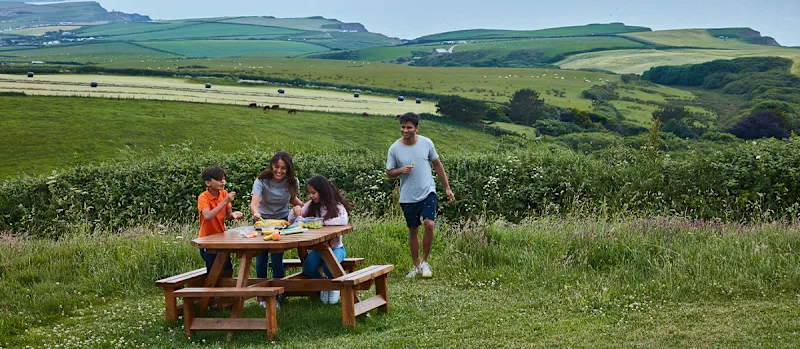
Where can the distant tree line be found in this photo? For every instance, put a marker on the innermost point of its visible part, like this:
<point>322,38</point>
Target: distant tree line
<point>772,92</point>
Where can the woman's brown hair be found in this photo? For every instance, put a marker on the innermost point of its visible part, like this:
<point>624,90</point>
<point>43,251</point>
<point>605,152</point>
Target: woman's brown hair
<point>291,177</point>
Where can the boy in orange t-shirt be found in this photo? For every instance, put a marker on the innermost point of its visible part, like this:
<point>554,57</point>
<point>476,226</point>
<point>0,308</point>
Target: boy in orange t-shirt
<point>214,206</point>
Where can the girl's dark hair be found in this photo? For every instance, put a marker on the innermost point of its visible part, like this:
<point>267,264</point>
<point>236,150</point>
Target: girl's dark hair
<point>291,177</point>
<point>329,197</point>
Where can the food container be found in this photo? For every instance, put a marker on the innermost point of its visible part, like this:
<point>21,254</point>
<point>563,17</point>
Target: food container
<point>312,222</point>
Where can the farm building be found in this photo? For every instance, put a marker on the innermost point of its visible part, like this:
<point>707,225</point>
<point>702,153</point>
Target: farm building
<point>440,51</point>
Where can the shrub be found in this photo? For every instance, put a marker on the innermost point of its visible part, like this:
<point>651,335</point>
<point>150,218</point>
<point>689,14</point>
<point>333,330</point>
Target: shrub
<point>739,181</point>
<point>601,92</point>
<point>495,114</point>
<point>627,78</point>
<point>718,137</point>
<point>461,109</point>
<point>556,127</point>
<point>762,124</point>
<point>679,129</point>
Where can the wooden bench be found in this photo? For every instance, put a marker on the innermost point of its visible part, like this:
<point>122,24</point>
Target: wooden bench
<point>192,278</point>
<point>191,324</point>
<point>352,306</point>
<point>349,264</point>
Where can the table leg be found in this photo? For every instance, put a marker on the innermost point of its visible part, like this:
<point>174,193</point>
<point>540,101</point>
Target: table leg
<point>302,252</point>
<point>241,282</point>
<point>331,262</point>
<point>213,277</point>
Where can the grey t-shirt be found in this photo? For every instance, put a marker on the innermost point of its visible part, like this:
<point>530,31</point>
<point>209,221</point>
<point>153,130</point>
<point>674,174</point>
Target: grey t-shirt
<point>415,186</point>
<point>275,197</point>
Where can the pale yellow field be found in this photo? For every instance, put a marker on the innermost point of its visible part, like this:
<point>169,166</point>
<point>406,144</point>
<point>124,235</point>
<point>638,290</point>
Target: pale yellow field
<point>638,61</point>
<point>41,30</point>
<point>180,90</point>
<point>689,37</point>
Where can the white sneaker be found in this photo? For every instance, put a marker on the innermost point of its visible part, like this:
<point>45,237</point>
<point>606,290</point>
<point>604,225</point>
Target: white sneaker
<point>413,273</point>
<point>324,296</point>
<point>277,304</point>
<point>426,270</point>
<point>334,297</point>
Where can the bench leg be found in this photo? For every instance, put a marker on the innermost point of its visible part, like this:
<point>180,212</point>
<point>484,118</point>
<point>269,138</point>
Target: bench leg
<point>188,316</point>
<point>348,307</point>
<point>171,304</point>
<point>382,289</point>
<point>272,320</point>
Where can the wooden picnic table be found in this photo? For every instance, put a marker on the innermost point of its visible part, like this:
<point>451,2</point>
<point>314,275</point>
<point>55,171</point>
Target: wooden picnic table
<point>245,249</point>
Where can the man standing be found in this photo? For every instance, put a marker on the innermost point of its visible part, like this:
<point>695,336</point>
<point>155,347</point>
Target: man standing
<point>410,157</point>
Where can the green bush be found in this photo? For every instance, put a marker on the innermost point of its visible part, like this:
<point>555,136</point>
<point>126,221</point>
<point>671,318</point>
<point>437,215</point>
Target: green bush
<point>718,137</point>
<point>740,181</point>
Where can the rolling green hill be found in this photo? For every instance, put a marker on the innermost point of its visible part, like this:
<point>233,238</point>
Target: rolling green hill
<point>483,34</point>
<point>23,14</point>
<point>217,48</point>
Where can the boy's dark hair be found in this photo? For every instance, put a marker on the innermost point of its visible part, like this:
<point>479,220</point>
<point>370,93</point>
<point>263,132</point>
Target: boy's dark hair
<point>414,118</point>
<point>213,172</point>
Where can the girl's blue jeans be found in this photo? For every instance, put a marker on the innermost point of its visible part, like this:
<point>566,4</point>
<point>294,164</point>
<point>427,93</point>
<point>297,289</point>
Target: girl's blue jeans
<point>314,261</point>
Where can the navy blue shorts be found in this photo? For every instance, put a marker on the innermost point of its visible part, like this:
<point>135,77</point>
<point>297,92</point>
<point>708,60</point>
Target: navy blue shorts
<point>425,209</point>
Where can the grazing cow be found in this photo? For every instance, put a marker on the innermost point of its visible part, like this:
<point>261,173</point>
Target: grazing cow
<point>252,105</point>
<point>275,106</point>
<point>266,108</point>
<point>364,114</point>
<point>292,111</point>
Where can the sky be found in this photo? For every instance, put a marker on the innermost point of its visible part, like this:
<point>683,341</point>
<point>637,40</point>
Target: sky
<point>409,19</point>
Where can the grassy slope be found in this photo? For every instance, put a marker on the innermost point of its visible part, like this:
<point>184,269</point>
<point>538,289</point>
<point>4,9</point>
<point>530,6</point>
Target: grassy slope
<point>216,48</point>
<point>482,34</point>
<point>41,30</point>
<point>89,52</point>
<point>705,48</point>
<point>204,31</point>
<point>549,46</point>
<point>111,29</point>
<point>97,129</point>
<point>573,282</point>
<point>53,13</point>
<point>292,23</point>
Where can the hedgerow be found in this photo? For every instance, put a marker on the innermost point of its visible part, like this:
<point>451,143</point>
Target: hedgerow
<point>739,181</point>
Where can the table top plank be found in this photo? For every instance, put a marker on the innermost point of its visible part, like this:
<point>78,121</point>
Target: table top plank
<point>233,241</point>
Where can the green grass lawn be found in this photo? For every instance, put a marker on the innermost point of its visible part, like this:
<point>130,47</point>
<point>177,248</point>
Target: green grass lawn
<point>528,131</point>
<point>553,282</point>
<point>47,133</point>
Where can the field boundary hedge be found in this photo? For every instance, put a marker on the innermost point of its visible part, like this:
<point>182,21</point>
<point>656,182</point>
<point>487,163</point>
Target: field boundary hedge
<point>746,180</point>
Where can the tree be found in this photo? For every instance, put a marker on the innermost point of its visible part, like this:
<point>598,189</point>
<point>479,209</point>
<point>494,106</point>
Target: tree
<point>762,124</point>
<point>461,109</point>
<point>525,107</point>
<point>671,113</point>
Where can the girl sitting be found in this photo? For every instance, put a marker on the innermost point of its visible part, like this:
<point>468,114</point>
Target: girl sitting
<point>328,203</point>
